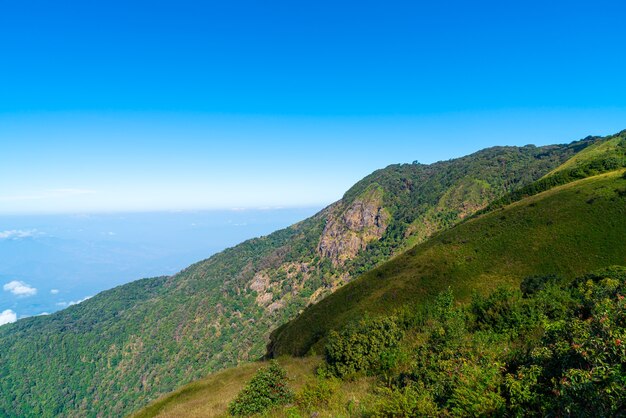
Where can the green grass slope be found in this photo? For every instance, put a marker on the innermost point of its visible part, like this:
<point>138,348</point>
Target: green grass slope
<point>602,149</point>
<point>568,230</point>
<point>600,156</point>
<point>123,348</point>
<point>209,397</point>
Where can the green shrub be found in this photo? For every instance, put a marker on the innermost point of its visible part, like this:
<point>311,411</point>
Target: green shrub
<point>577,367</point>
<point>359,346</point>
<point>268,388</point>
<point>409,401</point>
<point>533,284</point>
<point>446,327</point>
<point>476,391</point>
<point>321,393</point>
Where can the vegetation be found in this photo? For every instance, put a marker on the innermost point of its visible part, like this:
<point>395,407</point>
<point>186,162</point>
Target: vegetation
<point>602,157</point>
<point>494,316</point>
<point>362,347</point>
<point>268,388</point>
<point>123,348</point>
<point>565,231</point>
<point>556,351</point>
<point>210,396</point>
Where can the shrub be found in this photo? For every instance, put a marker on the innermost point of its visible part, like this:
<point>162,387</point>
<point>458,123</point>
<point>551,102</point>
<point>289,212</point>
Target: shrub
<point>446,326</point>
<point>267,388</point>
<point>533,284</point>
<point>405,402</point>
<point>320,393</point>
<point>358,347</point>
<point>500,311</point>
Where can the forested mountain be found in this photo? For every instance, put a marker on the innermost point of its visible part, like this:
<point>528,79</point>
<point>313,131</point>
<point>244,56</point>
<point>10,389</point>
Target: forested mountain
<point>540,329</point>
<point>120,349</point>
<point>565,231</point>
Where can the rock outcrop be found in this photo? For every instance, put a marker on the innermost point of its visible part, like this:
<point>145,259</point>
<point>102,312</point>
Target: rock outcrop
<point>349,229</point>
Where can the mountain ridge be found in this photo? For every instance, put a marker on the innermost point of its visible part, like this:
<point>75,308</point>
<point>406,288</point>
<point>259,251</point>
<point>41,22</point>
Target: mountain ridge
<point>107,357</point>
<point>568,230</point>
<point>472,258</point>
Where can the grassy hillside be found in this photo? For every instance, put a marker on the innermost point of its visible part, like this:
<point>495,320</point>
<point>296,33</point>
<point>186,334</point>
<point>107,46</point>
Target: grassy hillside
<point>567,231</point>
<point>125,347</point>
<point>611,148</point>
<point>553,347</point>
<point>209,397</point>
<point>601,156</point>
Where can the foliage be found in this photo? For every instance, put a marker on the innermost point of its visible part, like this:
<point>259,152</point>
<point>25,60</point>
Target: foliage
<point>482,347</point>
<point>533,284</point>
<point>320,393</point>
<point>524,358</point>
<point>408,401</point>
<point>268,388</point>
<point>362,346</point>
<point>505,355</point>
<point>581,362</point>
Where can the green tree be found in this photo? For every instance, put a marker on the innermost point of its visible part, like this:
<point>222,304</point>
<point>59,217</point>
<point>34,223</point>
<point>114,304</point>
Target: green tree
<point>268,388</point>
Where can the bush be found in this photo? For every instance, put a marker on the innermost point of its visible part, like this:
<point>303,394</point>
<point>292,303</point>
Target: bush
<point>322,393</point>
<point>359,347</point>
<point>577,368</point>
<point>533,284</point>
<point>446,327</point>
<point>267,388</point>
<point>406,402</point>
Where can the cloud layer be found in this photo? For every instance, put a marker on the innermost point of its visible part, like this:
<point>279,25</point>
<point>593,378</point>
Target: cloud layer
<point>8,316</point>
<point>19,288</point>
<point>18,233</point>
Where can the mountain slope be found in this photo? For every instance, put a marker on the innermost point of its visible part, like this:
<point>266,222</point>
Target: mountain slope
<point>124,347</point>
<point>611,150</point>
<point>567,231</point>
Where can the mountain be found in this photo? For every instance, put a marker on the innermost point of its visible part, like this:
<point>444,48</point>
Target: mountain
<point>122,348</point>
<point>568,230</point>
<point>561,233</point>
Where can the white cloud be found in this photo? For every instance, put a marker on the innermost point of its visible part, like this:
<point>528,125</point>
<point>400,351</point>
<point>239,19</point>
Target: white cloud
<point>7,317</point>
<point>54,291</point>
<point>18,233</point>
<point>73,302</point>
<point>19,288</point>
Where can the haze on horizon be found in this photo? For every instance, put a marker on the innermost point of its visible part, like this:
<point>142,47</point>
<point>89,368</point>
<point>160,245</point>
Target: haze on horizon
<point>143,106</point>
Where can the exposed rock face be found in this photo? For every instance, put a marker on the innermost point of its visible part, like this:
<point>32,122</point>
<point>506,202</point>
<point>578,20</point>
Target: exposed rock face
<point>260,283</point>
<point>349,229</point>
<point>270,282</point>
<point>275,306</point>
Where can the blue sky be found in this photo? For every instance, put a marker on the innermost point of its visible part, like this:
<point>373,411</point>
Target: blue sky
<point>132,105</point>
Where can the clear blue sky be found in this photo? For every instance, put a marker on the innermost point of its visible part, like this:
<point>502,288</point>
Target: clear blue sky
<point>144,105</point>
